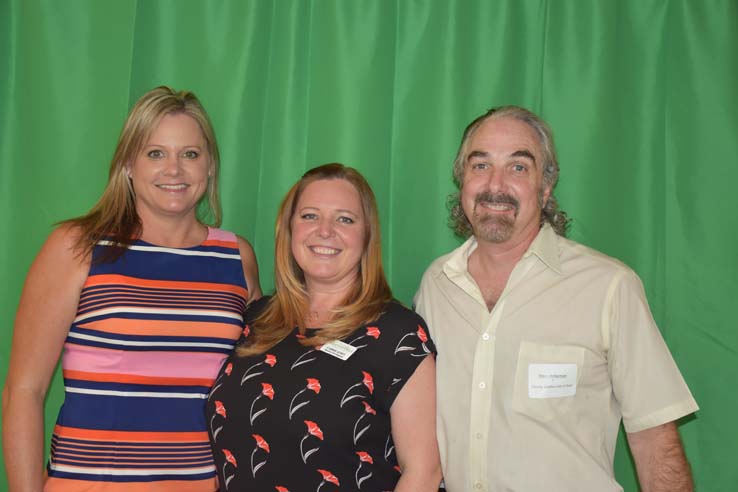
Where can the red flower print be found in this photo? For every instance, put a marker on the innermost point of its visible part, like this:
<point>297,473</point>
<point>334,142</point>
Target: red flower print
<point>220,409</point>
<point>365,457</point>
<point>373,331</point>
<point>230,458</point>
<point>279,488</point>
<point>421,334</point>
<point>397,468</point>
<point>270,360</point>
<point>313,384</point>
<point>246,331</point>
<point>229,369</point>
<point>260,444</point>
<point>368,381</point>
<point>267,390</point>
<point>368,408</point>
<point>312,430</point>
<point>327,477</point>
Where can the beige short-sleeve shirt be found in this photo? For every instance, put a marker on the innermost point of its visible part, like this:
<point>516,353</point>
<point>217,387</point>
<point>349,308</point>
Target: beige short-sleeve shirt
<point>531,394</point>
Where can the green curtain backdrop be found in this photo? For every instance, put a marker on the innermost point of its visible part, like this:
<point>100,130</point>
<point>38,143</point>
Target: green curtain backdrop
<point>642,96</point>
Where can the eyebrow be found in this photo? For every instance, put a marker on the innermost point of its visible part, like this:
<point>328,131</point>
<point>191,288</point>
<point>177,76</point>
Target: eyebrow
<point>518,153</point>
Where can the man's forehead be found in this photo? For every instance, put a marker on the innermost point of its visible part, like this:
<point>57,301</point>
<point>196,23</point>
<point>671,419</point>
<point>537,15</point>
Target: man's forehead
<point>504,137</point>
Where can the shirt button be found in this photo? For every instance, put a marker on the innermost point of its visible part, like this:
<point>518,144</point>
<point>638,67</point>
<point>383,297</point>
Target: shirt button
<point>478,485</point>
<point>485,336</point>
<point>482,385</point>
<point>478,435</point>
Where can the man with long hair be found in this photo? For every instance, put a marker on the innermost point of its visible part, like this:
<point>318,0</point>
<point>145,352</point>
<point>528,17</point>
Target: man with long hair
<point>544,344</point>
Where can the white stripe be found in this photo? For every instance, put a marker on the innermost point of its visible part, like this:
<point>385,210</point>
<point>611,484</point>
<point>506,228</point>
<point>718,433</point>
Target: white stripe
<point>144,472</point>
<point>136,394</point>
<point>149,344</point>
<point>183,252</point>
<point>183,312</point>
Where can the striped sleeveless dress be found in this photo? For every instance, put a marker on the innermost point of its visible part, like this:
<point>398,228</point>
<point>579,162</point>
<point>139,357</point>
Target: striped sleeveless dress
<point>151,332</point>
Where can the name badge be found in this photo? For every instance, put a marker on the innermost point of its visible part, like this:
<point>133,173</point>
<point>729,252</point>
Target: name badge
<point>552,380</point>
<point>339,349</point>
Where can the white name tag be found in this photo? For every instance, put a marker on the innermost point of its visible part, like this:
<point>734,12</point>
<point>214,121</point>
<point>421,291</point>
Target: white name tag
<point>552,380</point>
<point>339,349</point>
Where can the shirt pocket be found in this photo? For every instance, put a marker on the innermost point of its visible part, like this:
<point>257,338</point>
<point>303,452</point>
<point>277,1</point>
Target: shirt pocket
<point>547,379</point>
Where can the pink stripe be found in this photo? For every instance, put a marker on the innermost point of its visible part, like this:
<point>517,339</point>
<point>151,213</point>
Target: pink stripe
<point>158,364</point>
<point>221,235</point>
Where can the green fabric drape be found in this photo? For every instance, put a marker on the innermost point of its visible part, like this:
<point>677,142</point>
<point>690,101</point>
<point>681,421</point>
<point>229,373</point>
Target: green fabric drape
<point>642,96</point>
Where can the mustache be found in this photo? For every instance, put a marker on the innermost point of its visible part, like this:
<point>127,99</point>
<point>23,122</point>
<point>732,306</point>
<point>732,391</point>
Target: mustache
<point>495,198</point>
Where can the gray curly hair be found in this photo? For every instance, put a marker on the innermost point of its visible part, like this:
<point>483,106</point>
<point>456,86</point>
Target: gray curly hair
<point>550,210</point>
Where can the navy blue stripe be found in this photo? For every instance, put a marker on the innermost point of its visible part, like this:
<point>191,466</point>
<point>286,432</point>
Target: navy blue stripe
<point>113,386</point>
<point>121,287</point>
<point>174,267</point>
<point>129,478</point>
<point>120,413</point>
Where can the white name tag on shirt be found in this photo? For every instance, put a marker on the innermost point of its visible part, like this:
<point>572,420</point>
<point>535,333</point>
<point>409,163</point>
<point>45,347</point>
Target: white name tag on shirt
<point>552,380</point>
<point>339,349</point>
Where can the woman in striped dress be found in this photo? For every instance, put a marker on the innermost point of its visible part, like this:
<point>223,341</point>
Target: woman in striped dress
<point>143,301</point>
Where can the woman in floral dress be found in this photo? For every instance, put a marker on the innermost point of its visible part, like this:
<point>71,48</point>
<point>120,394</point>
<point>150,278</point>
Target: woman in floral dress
<point>332,386</point>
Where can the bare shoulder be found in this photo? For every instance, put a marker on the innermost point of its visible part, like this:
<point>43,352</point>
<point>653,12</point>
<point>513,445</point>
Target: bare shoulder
<point>250,267</point>
<point>61,248</point>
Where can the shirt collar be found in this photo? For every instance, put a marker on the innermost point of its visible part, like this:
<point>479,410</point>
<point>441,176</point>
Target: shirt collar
<point>545,247</point>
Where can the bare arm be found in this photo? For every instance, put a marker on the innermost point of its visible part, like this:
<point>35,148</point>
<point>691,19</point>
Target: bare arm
<point>413,415</point>
<point>250,268</point>
<point>660,460</point>
<point>47,307</point>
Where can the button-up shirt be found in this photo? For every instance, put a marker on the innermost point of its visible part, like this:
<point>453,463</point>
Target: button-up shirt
<point>531,394</point>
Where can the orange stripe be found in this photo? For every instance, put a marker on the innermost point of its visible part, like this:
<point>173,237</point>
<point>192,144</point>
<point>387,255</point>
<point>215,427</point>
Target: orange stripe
<point>130,436</point>
<point>68,485</point>
<point>136,379</point>
<point>164,328</point>
<point>162,284</point>
<point>222,244</point>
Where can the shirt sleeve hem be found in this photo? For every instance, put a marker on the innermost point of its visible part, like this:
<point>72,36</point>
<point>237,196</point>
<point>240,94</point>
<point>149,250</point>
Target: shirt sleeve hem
<point>662,416</point>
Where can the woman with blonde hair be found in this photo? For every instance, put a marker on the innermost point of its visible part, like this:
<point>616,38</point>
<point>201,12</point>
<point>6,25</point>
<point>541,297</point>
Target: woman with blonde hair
<point>143,297</point>
<point>333,382</point>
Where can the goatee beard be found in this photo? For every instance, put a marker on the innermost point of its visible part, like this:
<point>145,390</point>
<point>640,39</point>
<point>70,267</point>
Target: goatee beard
<point>491,227</point>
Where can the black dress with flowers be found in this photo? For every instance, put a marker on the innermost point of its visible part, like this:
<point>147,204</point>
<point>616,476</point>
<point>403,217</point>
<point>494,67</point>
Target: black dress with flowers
<point>300,419</point>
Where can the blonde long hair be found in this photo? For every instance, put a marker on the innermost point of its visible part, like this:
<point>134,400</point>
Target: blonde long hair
<point>288,307</point>
<point>114,216</point>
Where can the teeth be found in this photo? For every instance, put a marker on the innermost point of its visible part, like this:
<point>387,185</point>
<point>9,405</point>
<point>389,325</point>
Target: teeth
<point>172,187</point>
<point>498,206</point>
<point>324,251</point>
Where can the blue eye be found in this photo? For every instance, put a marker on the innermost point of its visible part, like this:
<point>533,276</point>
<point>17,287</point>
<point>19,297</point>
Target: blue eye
<point>479,166</point>
<point>520,168</point>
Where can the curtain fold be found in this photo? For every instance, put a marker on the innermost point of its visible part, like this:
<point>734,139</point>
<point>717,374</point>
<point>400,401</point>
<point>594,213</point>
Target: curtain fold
<point>642,96</point>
